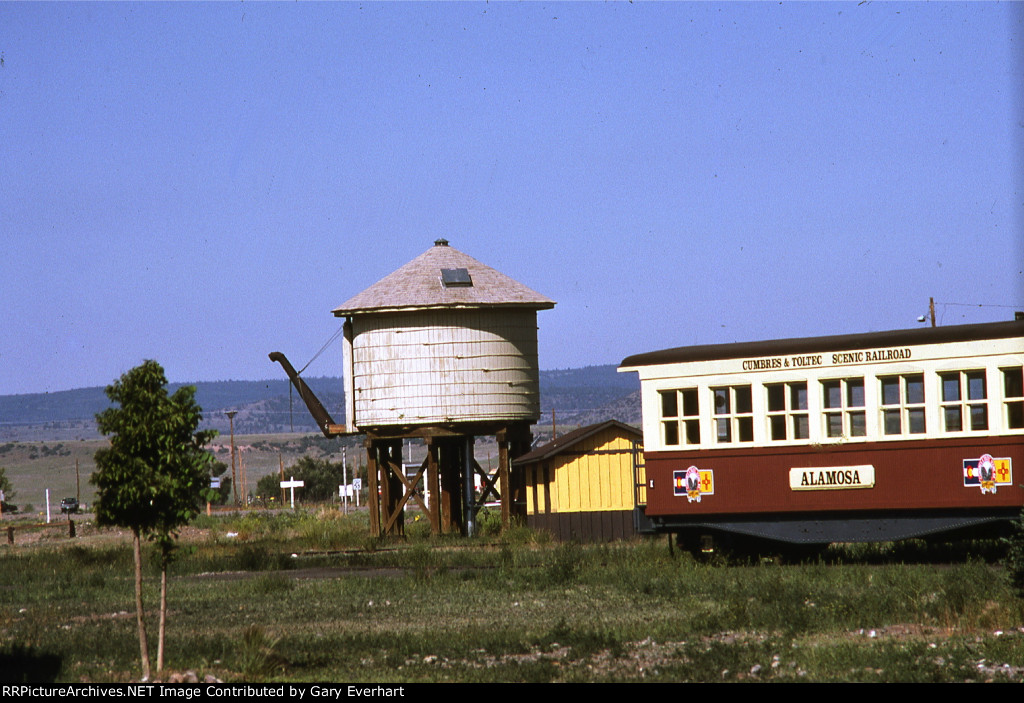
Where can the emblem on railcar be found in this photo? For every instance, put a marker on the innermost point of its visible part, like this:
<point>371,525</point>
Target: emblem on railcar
<point>693,483</point>
<point>988,473</point>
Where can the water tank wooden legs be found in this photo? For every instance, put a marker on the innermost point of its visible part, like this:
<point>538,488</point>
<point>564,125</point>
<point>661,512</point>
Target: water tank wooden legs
<point>448,476</point>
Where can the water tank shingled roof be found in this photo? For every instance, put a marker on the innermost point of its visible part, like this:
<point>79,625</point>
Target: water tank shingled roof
<point>418,285</point>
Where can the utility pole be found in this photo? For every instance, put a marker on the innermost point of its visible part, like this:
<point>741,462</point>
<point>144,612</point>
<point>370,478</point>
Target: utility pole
<point>281,457</point>
<point>241,480</point>
<point>931,309</point>
<point>234,478</point>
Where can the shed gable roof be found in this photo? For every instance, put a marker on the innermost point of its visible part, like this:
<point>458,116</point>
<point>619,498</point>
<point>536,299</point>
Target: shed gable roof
<point>419,284</point>
<point>569,439</point>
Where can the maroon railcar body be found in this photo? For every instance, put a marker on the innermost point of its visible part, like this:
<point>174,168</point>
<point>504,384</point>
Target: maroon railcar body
<point>927,476</point>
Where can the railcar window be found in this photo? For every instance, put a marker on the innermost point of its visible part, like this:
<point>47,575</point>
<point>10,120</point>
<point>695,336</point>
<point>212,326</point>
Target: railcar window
<point>676,427</point>
<point>733,414</point>
<point>691,425</point>
<point>670,416</point>
<point>1013,391</point>
<point>903,404</point>
<point>844,407</point>
<point>964,404</point>
<point>669,404</point>
<point>787,411</point>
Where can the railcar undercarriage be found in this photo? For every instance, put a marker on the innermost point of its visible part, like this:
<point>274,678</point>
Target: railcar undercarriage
<point>815,529</point>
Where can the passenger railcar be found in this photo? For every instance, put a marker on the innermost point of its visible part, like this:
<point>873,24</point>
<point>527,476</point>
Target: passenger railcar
<point>863,437</point>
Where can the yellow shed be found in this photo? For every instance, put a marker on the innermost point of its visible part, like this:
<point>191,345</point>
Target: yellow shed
<point>582,484</point>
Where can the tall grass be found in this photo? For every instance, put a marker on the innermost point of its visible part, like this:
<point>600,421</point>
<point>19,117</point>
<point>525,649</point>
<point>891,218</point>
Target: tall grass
<point>506,608</point>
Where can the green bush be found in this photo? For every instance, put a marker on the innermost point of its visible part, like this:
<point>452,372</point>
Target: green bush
<point>565,563</point>
<point>1015,557</point>
<point>321,478</point>
<point>258,654</point>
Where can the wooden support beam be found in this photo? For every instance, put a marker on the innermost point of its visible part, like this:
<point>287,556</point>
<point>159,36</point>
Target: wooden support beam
<point>385,488</point>
<point>374,496</point>
<point>410,489</point>
<point>451,485</point>
<point>519,439</point>
<point>390,462</point>
<point>487,489</point>
<point>503,482</point>
<point>454,430</point>
<point>434,485</point>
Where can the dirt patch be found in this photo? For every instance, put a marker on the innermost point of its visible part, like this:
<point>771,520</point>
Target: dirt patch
<point>57,533</point>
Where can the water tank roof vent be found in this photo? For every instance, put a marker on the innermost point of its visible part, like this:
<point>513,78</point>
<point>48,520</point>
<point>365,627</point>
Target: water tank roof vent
<point>440,242</point>
<point>456,278</point>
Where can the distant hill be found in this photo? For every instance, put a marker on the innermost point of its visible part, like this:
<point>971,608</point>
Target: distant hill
<point>589,394</point>
<point>267,407</point>
<point>624,408</point>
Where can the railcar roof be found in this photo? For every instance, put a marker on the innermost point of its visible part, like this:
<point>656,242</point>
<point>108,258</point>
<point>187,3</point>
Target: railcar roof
<point>842,342</point>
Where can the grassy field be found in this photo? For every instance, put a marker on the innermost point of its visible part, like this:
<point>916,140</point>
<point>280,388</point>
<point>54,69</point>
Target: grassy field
<point>310,597</point>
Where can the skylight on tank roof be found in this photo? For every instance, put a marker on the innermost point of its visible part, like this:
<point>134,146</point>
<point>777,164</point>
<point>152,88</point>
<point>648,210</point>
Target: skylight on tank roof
<point>456,278</point>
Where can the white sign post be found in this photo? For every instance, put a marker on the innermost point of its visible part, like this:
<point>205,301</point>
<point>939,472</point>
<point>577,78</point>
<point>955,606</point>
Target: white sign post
<point>350,491</point>
<point>292,485</point>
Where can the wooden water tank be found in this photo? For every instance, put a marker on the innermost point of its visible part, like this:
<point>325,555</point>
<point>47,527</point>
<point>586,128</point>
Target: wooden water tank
<point>444,340</point>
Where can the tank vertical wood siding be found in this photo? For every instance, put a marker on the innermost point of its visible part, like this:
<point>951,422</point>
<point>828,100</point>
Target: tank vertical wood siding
<point>446,365</point>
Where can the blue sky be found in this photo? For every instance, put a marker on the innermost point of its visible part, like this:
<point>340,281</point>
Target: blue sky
<point>202,183</point>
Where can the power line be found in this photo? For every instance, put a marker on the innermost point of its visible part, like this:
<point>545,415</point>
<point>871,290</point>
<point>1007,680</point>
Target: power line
<point>981,305</point>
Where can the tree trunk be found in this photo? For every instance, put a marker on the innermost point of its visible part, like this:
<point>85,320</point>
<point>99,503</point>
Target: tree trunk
<point>163,618</point>
<point>143,644</point>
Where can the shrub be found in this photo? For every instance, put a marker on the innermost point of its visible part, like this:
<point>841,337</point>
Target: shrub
<point>321,478</point>
<point>1015,557</point>
<point>258,655</point>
